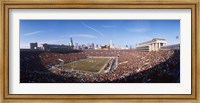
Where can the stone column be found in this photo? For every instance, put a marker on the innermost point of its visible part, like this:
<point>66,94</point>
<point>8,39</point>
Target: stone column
<point>156,46</point>
<point>152,47</point>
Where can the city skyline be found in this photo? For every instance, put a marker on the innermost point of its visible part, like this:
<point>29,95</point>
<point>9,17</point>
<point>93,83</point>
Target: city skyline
<point>121,32</point>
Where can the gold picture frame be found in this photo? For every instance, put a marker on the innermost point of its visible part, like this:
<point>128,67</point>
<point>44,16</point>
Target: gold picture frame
<point>147,4</point>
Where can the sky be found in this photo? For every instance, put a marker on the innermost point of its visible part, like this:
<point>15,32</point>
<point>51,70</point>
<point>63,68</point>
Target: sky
<point>121,32</point>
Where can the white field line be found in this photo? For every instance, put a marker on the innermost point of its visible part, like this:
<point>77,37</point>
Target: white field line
<point>104,65</point>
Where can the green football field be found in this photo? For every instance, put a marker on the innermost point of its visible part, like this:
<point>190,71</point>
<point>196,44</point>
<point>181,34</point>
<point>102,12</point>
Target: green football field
<point>89,64</point>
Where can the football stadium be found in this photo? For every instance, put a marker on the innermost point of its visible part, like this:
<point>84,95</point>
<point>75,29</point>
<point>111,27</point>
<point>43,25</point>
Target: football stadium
<point>100,66</point>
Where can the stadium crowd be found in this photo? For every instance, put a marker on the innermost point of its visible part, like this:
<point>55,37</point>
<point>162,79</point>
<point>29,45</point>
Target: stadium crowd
<point>133,66</point>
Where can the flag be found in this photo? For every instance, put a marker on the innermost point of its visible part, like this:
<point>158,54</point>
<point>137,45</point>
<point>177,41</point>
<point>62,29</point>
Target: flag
<point>177,37</point>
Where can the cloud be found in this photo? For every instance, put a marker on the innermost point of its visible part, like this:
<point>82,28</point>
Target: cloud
<point>83,35</point>
<point>33,33</point>
<point>108,26</point>
<point>85,25</point>
<point>138,30</point>
<point>139,26</point>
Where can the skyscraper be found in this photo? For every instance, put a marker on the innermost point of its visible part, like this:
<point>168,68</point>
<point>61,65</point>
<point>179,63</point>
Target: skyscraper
<point>33,45</point>
<point>71,42</point>
<point>111,45</point>
<point>76,46</point>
